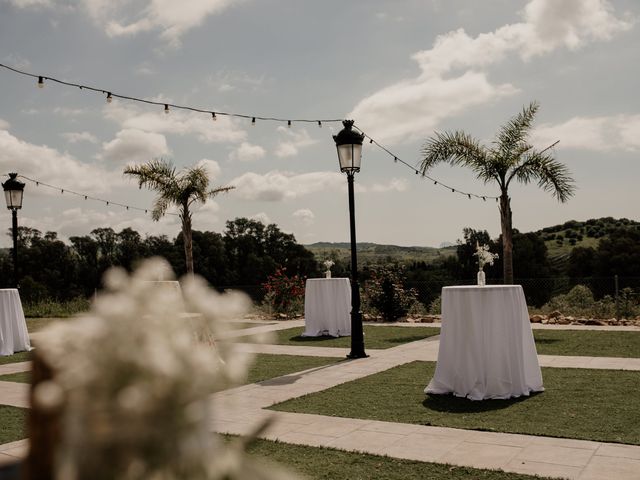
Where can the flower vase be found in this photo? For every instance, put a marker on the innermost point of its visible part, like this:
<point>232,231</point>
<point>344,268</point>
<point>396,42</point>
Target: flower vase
<point>481,278</point>
<point>327,274</point>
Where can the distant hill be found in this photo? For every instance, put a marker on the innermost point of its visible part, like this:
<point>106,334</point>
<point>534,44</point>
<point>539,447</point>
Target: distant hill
<point>559,239</point>
<point>375,253</point>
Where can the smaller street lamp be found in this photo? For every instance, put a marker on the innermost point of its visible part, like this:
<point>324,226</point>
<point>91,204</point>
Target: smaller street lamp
<point>349,145</point>
<point>13,191</point>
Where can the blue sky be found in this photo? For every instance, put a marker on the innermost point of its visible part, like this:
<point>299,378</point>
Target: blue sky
<point>401,69</point>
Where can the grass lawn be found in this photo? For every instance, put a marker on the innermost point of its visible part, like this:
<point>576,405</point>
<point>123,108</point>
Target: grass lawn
<point>22,377</point>
<point>267,366</point>
<point>578,403</point>
<point>15,358</point>
<point>374,337</point>
<point>588,342</point>
<point>13,421</point>
<point>328,463</point>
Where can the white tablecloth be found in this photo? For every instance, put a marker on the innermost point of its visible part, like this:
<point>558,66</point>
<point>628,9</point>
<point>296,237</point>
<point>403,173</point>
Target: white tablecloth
<point>486,344</point>
<point>327,307</point>
<point>13,327</point>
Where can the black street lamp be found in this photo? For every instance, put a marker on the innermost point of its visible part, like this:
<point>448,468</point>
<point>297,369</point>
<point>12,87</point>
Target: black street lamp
<point>13,190</point>
<point>349,145</point>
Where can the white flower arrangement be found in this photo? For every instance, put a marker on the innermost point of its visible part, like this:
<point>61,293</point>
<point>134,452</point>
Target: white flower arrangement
<point>133,386</point>
<point>484,256</point>
<point>328,264</point>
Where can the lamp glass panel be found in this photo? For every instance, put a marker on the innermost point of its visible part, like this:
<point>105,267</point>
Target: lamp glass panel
<point>350,156</point>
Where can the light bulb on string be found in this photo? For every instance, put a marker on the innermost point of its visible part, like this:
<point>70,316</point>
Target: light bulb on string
<point>40,82</point>
<point>289,123</point>
<point>253,121</point>
<point>213,116</point>
<point>319,123</point>
<point>166,108</point>
<point>109,97</point>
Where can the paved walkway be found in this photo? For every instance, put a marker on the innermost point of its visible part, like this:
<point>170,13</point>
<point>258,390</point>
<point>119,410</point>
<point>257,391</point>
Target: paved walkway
<point>241,408</point>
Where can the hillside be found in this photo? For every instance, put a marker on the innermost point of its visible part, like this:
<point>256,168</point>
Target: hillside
<point>374,253</point>
<point>559,239</point>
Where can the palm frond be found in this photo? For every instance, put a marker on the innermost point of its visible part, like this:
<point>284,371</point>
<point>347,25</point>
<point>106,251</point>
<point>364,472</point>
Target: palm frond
<point>160,206</point>
<point>513,133</point>
<point>157,174</point>
<point>551,175</point>
<point>457,148</point>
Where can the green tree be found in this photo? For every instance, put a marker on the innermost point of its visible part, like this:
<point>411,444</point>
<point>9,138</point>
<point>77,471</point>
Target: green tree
<point>181,189</point>
<point>510,157</point>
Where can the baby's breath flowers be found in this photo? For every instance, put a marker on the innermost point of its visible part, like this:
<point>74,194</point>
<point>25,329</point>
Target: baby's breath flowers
<point>132,381</point>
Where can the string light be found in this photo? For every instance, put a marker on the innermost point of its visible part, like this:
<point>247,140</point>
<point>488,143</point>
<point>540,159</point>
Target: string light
<point>397,159</point>
<point>166,108</point>
<point>289,123</point>
<point>109,97</point>
<point>253,122</point>
<point>104,91</point>
<point>38,183</point>
<point>213,116</point>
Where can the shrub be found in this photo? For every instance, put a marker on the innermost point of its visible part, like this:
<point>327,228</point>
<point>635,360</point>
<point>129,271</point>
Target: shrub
<point>284,294</point>
<point>384,294</point>
<point>580,302</point>
<point>435,308</point>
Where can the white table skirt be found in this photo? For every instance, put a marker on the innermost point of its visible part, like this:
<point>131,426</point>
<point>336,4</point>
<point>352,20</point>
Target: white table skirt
<point>486,344</point>
<point>13,327</point>
<point>327,307</point>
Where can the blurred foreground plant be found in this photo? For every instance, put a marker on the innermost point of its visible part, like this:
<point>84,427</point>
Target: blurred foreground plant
<point>132,385</point>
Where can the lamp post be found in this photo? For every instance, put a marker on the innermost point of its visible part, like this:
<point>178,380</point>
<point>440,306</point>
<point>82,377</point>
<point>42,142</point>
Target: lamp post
<point>13,190</point>
<point>349,145</point>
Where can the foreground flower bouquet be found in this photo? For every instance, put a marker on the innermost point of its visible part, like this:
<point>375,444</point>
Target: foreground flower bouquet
<point>123,392</point>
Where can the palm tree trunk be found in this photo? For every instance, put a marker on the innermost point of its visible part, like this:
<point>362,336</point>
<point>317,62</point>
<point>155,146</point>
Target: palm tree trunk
<point>507,238</point>
<point>187,239</point>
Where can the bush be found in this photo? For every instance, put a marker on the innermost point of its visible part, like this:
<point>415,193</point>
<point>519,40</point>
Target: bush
<point>435,308</point>
<point>580,302</point>
<point>53,309</point>
<point>284,294</point>
<point>385,295</point>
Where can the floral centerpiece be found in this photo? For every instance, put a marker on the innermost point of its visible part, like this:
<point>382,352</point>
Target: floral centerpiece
<point>328,264</point>
<point>484,257</point>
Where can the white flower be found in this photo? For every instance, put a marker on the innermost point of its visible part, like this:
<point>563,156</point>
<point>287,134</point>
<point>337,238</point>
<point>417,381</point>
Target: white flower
<point>484,255</point>
<point>328,264</point>
<point>133,378</point>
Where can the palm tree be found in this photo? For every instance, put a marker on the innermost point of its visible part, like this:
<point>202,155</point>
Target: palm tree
<point>181,189</point>
<point>509,157</point>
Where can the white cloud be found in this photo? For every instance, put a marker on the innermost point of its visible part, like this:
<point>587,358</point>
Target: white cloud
<point>228,81</point>
<point>176,122</point>
<point>172,18</point>
<point>133,146</point>
<point>451,79</point>
<point>212,167</point>
<point>31,3</point>
<point>277,186</point>
<point>261,217</point>
<point>292,141</point>
<point>4,125</point>
<point>604,133</point>
<point>305,215</point>
<point>47,165</point>
<point>394,185</point>
<point>246,152</point>
<point>70,112</point>
<point>77,137</point>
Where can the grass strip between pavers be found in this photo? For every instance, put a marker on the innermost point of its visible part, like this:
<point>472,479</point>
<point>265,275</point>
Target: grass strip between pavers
<point>15,358</point>
<point>375,337</point>
<point>267,366</point>
<point>590,343</point>
<point>584,404</point>
<point>328,464</point>
<point>12,423</point>
<point>21,377</point>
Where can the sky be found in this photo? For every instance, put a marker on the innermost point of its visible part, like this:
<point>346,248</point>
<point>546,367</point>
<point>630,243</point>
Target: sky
<point>402,70</point>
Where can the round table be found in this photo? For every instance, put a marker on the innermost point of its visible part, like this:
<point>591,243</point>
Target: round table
<point>327,307</point>
<point>486,344</point>
<point>14,336</point>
